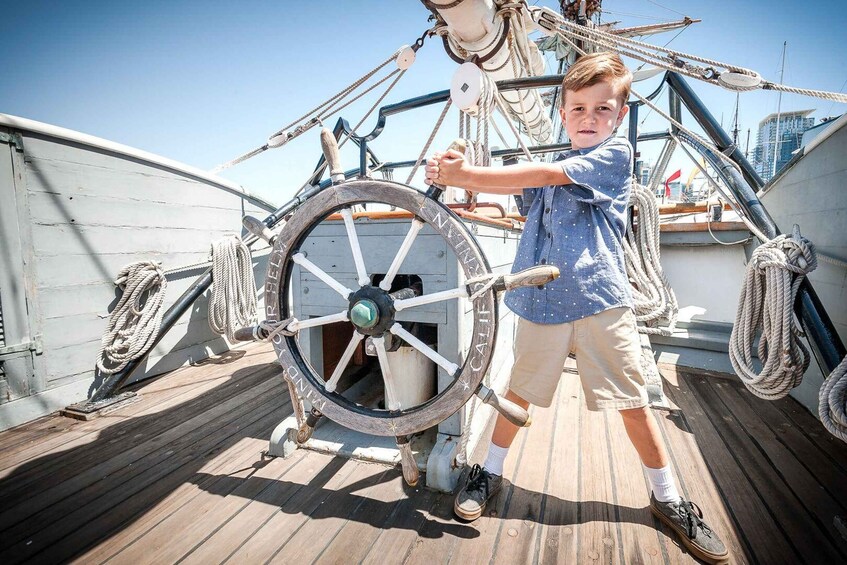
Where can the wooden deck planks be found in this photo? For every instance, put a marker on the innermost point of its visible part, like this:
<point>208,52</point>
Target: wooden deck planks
<point>784,506</point>
<point>192,485</point>
<point>558,536</point>
<point>482,535</point>
<point>520,526</point>
<point>154,453</point>
<point>760,533</point>
<point>696,481</point>
<point>640,542</point>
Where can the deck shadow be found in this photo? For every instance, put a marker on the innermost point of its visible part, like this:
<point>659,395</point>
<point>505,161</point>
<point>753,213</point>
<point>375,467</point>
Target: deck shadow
<point>96,487</point>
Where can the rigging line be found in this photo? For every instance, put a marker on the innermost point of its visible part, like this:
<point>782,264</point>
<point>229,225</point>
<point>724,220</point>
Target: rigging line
<point>313,176</point>
<point>304,126</point>
<point>685,27</point>
<point>839,90</point>
<point>666,8</point>
<point>643,17</point>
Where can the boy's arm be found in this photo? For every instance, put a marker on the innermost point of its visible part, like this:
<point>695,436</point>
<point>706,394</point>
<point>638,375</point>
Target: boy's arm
<point>452,169</point>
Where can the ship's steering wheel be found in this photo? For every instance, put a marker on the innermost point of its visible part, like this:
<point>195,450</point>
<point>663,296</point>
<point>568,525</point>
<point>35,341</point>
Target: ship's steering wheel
<point>372,309</point>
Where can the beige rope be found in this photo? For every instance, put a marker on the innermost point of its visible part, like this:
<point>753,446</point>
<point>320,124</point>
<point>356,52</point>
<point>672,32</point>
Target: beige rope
<point>133,328</point>
<point>675,61</point>
<point>429,141</point>
<point>232,304</point>
<point>768,291</point>
<point>653,297</point>
<point>832,405</point>
<point>325,108</point>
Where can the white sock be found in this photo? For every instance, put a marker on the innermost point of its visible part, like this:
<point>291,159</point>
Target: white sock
<point>496,457</point>
<point>664,487</point>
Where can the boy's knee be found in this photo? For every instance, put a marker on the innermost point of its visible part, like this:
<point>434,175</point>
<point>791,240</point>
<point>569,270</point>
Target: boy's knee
<point>516,399</point>
<point>640,413</point>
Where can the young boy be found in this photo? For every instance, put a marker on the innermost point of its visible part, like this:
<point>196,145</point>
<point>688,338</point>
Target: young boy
<point>576,222</point>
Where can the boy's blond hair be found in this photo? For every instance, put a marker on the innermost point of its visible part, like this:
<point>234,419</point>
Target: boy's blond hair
<point>595,68</point>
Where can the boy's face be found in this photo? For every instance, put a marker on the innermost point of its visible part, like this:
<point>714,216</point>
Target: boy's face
<point>591,114</point>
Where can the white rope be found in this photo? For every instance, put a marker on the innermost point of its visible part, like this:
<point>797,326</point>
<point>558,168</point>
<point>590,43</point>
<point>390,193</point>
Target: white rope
<point>770,286</point>
<point>429,141</point>
<point>675,61</point>
<point>232,304</point>
<point>832,405</point>
<point>652,295</point>
<point>133,328</point>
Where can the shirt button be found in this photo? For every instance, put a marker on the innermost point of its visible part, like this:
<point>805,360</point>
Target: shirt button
<point>547,210</point>
<point>544,261</point>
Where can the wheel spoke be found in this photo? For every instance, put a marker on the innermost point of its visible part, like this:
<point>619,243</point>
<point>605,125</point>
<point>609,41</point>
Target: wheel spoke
<point>433,355</point>
<point>391,400</point>
<point>342,363</point>
<point>460,292</point>
<point>298,325</point>
<point>354,247</point>
<point>301,260</point>
<point>417,224</point>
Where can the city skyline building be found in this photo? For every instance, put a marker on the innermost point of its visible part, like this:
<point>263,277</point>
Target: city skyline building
<point>770,154</point>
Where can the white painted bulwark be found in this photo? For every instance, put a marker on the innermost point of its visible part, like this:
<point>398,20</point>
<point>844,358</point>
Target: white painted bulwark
<point>74,210</point>
<point>812,193</point>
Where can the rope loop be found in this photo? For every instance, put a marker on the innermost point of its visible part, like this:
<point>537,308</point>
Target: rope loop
<point>136,320</point>
<point>773,277</point>
<point>232,304</point>
<point>832,402</point>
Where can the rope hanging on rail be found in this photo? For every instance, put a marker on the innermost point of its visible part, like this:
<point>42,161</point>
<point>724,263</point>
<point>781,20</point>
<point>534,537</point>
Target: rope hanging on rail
<point>232,304</point>
<point>653,297</point>
<point>135,322</point>
<point>768,291</point>
<point>832,402</point>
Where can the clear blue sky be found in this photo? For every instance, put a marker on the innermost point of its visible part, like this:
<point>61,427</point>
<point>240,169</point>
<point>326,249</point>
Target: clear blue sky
<point>202,82</point>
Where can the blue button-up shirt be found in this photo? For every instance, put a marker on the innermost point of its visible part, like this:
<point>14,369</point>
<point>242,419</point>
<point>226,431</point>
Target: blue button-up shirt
<point>577,228</point>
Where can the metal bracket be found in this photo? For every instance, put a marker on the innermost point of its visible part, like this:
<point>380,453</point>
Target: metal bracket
<point>13,139</point>
<point>13,350</point>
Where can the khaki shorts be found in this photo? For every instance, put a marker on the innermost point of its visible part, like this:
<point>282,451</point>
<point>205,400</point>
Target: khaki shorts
<point>608,357</point>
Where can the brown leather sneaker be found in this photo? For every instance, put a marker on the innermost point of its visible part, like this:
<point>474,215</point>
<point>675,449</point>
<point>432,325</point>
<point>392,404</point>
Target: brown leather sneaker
<point>686,519</point>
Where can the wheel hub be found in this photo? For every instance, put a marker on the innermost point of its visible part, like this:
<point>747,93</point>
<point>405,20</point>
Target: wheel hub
<point>371,310</point>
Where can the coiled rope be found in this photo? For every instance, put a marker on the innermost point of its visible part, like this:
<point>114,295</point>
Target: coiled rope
<point>832,402</point>
<point>133,326</point>
<point>653,297</point>
<point>233,301</point>
<point>770,285</point>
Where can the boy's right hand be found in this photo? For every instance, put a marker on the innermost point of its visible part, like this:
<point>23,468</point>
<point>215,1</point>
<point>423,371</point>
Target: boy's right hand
<point>448,168</point>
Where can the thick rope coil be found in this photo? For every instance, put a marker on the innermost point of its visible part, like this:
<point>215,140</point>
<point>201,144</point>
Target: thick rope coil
<point>133,327</point>
<point>770,286</point>
<point>653,297</point>
<point>832,405</point>
<point>233,301</point>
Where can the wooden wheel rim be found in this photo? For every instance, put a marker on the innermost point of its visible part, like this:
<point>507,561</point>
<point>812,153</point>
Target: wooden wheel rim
<point>472,262</point>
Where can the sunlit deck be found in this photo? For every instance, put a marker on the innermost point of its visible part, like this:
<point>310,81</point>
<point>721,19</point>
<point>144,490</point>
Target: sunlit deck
<point>179,476</point>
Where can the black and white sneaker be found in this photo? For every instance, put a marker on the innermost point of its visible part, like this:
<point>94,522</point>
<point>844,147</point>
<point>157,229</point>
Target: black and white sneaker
<point>686,519</point>
<point>479,488</point>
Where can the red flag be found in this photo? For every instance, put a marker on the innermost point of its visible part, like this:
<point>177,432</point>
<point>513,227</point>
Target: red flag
<point>671,178</point>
